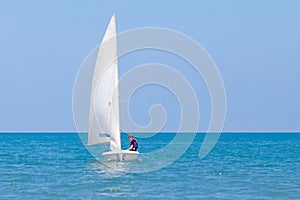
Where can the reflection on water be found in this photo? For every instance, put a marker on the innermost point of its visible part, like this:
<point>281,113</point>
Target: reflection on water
<point>109,166</point>
<point>115,168</point>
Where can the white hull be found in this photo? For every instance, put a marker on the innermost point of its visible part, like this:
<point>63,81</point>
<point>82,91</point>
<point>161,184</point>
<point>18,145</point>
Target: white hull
<point>121,156</point>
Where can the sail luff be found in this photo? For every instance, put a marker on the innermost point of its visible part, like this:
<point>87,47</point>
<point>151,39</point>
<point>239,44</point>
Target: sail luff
<point>115,144</point>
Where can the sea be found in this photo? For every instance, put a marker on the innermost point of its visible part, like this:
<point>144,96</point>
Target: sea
<point>240,166</point>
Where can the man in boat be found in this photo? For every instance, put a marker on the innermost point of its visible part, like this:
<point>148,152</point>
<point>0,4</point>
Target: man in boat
<point>133,143</point>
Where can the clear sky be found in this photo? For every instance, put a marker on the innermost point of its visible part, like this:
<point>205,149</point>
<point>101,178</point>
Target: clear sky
<point>255,44</point>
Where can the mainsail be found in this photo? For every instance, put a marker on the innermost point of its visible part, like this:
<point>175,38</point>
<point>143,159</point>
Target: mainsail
<point>104,114</point>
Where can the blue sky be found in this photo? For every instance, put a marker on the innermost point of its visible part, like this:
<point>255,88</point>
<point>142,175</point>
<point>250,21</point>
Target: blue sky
<point>255,45</point>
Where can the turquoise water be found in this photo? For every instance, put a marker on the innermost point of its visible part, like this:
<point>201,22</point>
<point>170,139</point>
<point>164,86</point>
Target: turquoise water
<point>241,166</point>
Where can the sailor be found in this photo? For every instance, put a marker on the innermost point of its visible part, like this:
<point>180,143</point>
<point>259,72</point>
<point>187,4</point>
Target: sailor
<point>133,143</point>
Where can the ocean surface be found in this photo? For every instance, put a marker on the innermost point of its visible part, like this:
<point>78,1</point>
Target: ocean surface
<point>241,166</point>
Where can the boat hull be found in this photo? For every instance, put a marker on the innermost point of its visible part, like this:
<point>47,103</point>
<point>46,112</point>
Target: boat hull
<point>121,156</point>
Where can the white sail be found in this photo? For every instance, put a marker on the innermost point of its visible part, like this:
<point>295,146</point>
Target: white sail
<point>104,114</point>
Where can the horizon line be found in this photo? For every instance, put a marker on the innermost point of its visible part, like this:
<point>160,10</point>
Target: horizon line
<point>202,131</point>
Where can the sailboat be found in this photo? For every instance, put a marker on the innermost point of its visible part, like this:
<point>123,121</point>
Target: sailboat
<point>104,111</point>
